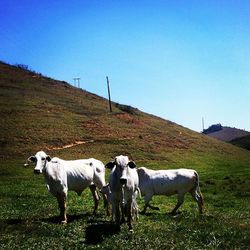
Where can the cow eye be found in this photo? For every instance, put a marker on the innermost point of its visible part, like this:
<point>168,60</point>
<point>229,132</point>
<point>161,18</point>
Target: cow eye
<point>43,158</point>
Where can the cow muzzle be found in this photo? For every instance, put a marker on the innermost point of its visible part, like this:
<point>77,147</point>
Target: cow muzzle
<point>37,171</point>
<point>26,165</point>
<point>123,181</point>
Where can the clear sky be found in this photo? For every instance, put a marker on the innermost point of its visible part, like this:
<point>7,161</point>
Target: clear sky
<point>180,60</point>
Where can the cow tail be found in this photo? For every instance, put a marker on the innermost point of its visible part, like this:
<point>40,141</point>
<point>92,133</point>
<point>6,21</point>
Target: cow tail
<point>197,187</point>
<point>139,192</point>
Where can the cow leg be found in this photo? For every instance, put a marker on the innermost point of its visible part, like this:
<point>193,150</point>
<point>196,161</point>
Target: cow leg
<point>116,206</point>
<point>61,199</point>
<point>100,182</point>
<point>147,199</point>
<point>129,214</point>
<point>106,204</point>
<point>95,196</point>
<point>135,210</point>
<point>112,214</point>
<point>179,203</point>
<point>123,212</point>
<point>197,196</point>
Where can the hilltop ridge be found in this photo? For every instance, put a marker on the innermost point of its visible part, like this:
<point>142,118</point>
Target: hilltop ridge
<point>225,133</point>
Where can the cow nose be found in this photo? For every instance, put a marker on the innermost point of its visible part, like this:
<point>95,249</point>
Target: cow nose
<point>36,171</point>
<point>123,181</point>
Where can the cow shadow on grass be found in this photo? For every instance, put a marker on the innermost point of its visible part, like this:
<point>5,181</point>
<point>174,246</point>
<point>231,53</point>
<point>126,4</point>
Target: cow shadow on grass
<point>10,224</point>
<point>96,233</point>
<point>166,215</point>
<point>12,221</point>
<point>89,217</point>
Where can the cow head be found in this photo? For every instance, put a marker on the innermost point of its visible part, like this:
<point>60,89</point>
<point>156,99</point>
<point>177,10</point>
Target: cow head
<point>40,159</point>
<point>122,165</point>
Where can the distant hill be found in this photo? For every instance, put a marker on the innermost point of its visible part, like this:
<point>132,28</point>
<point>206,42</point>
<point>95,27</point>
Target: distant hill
<point>40,113</point>
<point>226,134</point>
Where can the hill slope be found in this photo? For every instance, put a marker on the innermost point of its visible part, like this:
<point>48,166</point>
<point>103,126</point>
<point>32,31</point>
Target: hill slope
<point>41,113</point>
<point>243,142</point>
<point>228,134</point>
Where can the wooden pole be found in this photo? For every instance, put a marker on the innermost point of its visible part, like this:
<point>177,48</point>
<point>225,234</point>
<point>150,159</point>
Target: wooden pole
<point>110,107</point>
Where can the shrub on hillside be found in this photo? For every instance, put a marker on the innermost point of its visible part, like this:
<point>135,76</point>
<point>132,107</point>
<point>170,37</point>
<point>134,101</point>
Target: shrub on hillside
<point>213,128</point>
<point>126,108</point>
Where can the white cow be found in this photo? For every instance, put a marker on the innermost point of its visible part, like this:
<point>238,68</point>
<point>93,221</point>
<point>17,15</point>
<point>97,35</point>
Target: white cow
<point>62,176</point>
<point>169,182</point>
<point>124,183</point>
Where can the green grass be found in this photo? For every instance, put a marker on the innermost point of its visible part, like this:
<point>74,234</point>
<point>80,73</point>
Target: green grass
<point>28,216</point>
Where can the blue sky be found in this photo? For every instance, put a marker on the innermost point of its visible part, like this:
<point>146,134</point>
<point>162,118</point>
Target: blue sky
<point>180,60</point>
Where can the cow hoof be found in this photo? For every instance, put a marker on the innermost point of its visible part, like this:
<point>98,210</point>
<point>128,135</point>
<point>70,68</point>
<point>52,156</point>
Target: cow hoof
<point>117,227</point>
<point>63,222</point>
<point>172,214</point>
<point>175,214</point>
<point>123,221</point>
<point>131,230</point>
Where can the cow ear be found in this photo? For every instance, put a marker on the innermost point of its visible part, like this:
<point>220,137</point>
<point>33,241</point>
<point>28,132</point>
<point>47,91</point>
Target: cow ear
<point>48,158</point>
<point>32,159</point>
<point>110,165</point>
<point>131,164</point>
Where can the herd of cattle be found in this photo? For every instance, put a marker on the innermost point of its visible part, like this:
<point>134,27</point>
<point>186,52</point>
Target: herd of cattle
<point>126,183</point>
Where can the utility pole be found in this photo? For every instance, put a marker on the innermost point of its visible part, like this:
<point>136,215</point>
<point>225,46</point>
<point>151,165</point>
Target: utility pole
<point>77,80</point>
<point>203,124</point>
<point>110,107</point>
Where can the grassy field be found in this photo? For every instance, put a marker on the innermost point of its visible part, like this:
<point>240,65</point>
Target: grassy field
<point>28,216</point>
<point>41,113</point>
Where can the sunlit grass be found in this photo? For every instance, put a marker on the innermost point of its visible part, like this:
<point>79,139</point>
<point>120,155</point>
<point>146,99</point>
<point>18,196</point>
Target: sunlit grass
<point>28,217</point>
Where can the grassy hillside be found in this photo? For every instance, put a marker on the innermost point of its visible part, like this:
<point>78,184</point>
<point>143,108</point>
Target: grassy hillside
<point>41,113</point>
<point>243,142</point>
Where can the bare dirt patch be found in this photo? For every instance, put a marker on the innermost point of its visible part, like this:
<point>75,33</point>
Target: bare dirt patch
<point>129,118</point>
<point>76,143</point>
